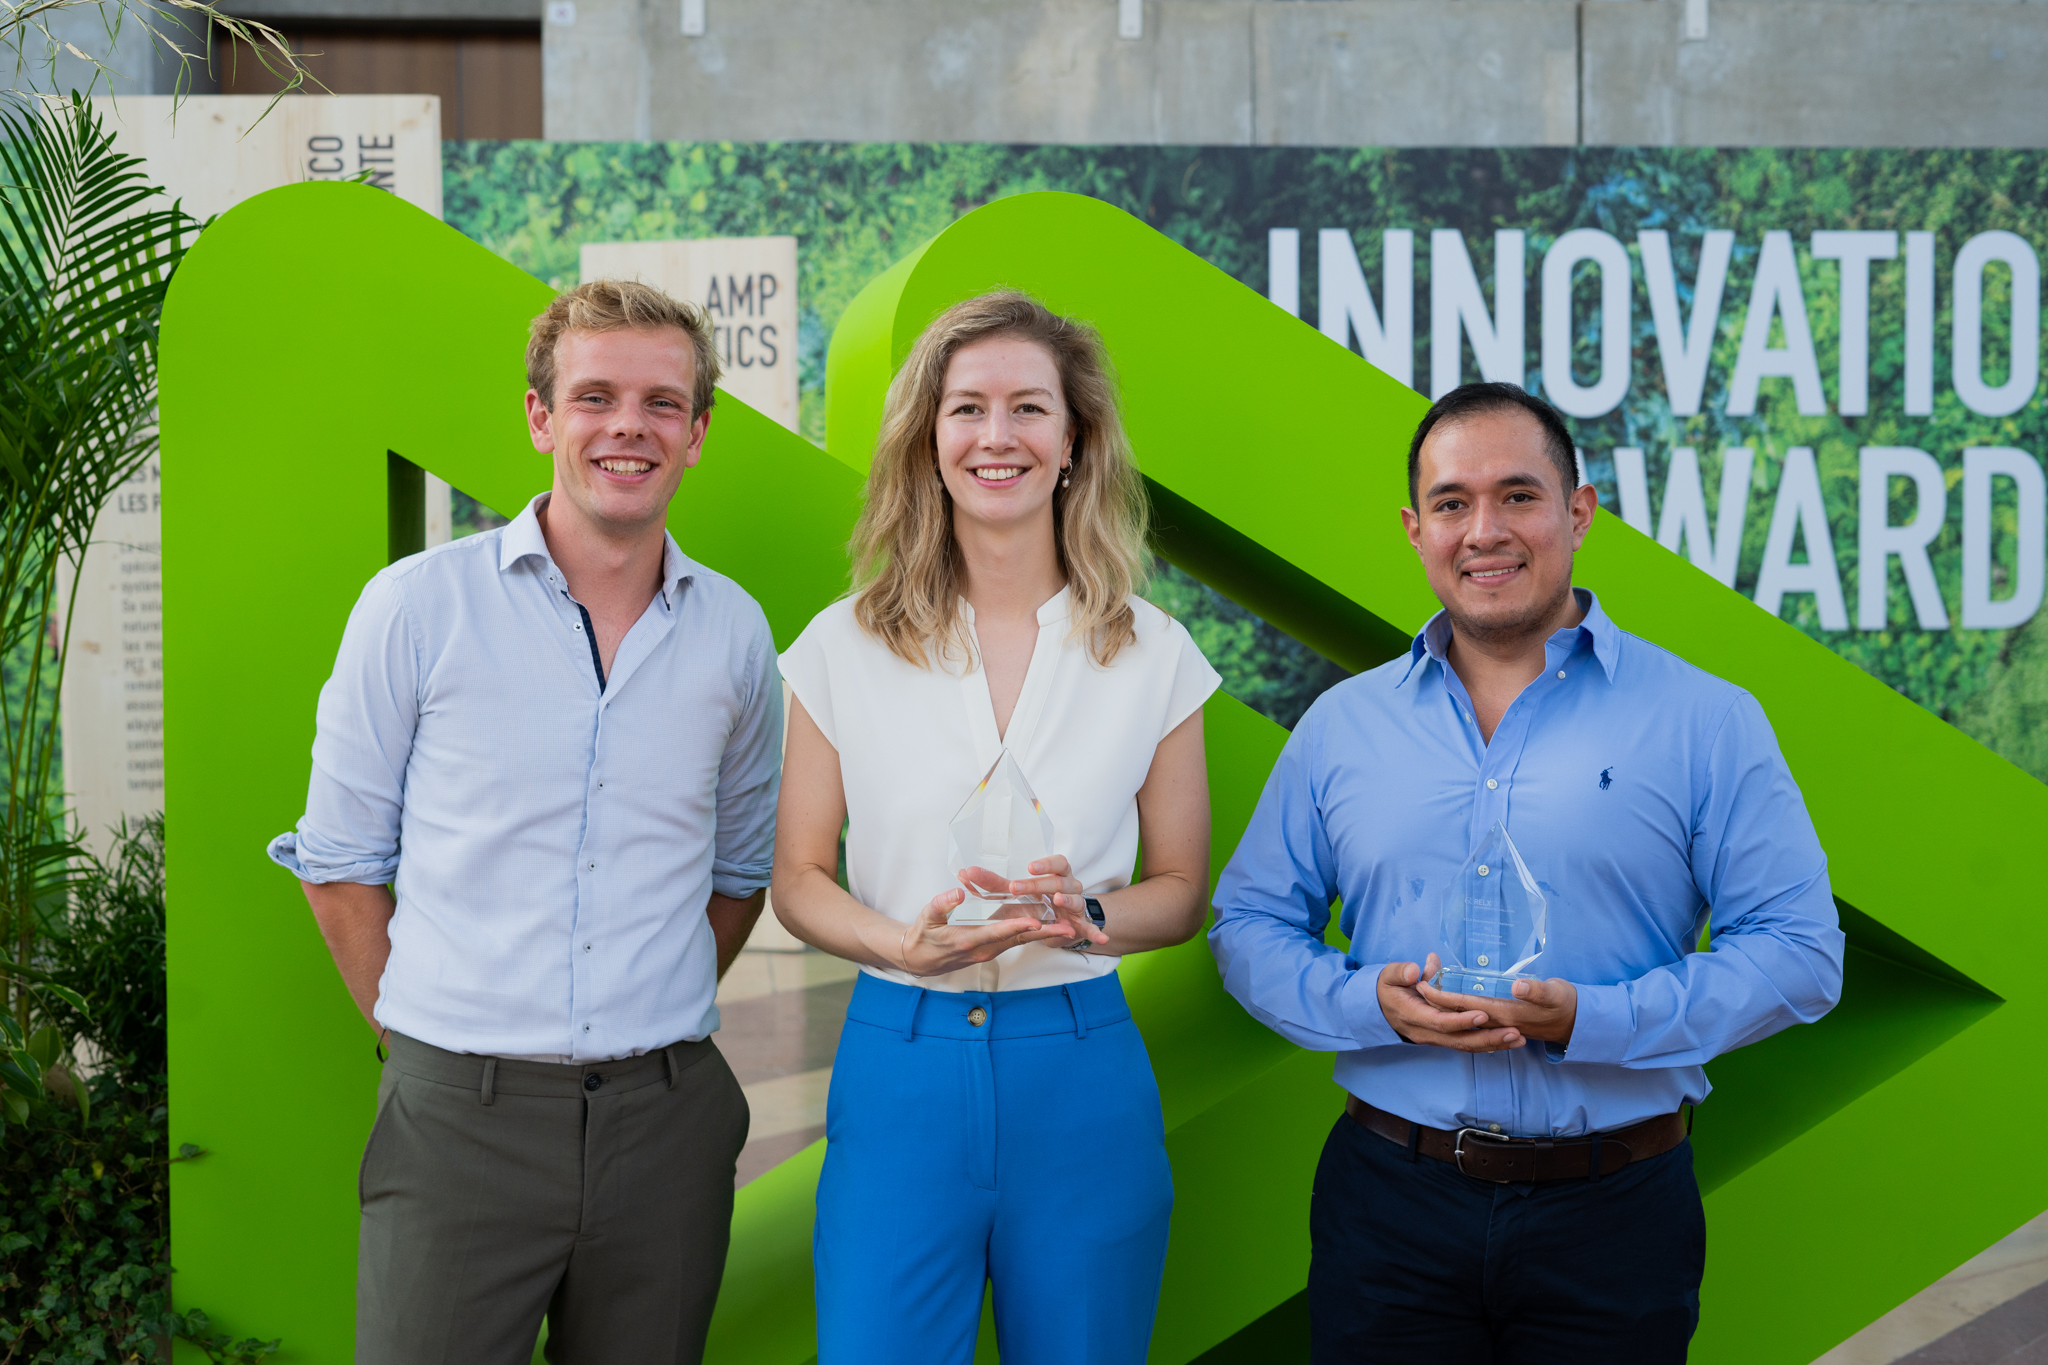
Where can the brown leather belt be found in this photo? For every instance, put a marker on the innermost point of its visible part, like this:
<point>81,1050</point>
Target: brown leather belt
<point>1511,1160</point>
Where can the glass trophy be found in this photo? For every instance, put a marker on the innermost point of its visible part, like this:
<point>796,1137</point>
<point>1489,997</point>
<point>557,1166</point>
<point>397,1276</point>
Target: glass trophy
<point>1494,922</point>
<point>1001,829</point>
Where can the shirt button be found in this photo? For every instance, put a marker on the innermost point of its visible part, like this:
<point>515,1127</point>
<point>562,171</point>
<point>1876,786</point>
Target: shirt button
<point>977,1016</point>
<point>1491,1127</point>
<point>586,947</point>
<point>586,1028</point>
<point>1560,673</point>
<point>593,867</point>
<point>1491,784</point>
<point>600,786</point>
<point>578,627</point>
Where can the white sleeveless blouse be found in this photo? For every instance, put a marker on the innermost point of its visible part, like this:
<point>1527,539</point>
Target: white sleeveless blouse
<point>914,742</point>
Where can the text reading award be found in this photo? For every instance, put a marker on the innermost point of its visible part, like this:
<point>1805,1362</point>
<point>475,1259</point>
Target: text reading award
<point>1494,921</point>
<point>1001,829</point>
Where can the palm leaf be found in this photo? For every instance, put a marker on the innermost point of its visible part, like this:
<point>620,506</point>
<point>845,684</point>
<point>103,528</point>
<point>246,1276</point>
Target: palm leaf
<point>87,247</point>
<point>44,981</point>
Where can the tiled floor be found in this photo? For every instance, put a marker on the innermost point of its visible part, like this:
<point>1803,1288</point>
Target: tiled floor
<point>1992,1310</point>
<point>779,1009</point>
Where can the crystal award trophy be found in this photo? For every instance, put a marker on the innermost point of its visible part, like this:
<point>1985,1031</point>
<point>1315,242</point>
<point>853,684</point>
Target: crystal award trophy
<point>1001,829</point>
<point>1494,922</point>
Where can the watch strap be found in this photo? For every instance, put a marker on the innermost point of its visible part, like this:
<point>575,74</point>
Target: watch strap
<point>1096,917</point>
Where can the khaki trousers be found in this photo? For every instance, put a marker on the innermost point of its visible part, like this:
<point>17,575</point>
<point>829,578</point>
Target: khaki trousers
<point>495,1191</point>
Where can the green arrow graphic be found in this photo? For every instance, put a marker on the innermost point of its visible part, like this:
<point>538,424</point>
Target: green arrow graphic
<point>1279,460</point>
<point>1274,459</point>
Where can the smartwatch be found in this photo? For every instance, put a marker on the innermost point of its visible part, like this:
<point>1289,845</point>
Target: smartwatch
<point>1096,916</point>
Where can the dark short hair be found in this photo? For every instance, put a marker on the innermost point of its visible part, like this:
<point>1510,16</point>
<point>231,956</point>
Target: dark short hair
<point>1471,400</point>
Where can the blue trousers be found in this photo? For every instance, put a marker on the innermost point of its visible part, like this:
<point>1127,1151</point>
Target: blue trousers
<point>1413,1262</point>
<point>1023,1151</point>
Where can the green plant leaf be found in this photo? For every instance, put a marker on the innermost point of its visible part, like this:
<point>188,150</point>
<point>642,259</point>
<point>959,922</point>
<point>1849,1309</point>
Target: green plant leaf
<point>87,249</point>
<point>45,982</point>
<point>22,1072</point>
<point>67,995</point>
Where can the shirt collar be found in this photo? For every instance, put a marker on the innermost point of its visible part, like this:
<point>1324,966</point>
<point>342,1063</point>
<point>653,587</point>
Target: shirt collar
<point>1433,641</point>
<point>1055,608</point>
<point>1600,631</point>
<point>522,539</point>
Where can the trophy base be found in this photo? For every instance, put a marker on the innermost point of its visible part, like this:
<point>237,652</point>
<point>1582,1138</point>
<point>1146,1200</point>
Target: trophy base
<point>1460,981</point>
<point>989,909</point>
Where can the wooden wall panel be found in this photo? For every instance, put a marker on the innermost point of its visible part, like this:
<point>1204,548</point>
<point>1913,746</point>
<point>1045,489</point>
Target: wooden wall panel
<point>489,81</point>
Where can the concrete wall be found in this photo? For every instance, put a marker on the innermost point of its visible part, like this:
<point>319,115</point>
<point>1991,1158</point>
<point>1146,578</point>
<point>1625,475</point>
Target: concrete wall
<point>1306,72</point>
<point>1819,73</point>
<point>914,70</point>
<point>130,61</point>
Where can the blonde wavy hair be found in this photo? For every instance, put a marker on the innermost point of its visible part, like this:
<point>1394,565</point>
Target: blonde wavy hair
<point>906,564</point>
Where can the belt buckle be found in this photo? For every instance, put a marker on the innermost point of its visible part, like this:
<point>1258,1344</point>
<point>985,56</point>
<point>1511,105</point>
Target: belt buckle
<point>1482,1135</point>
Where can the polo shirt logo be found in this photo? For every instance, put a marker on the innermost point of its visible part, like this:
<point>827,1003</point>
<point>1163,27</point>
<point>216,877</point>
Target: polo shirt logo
<point>1606,778</point>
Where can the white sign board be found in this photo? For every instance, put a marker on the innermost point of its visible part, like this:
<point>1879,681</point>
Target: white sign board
<point>746,286</point>
<point>212,153</point>
<point>113,701</point>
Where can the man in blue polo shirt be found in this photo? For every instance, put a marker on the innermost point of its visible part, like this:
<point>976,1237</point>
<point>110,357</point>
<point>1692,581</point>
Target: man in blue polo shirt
<point>1511,1181</point>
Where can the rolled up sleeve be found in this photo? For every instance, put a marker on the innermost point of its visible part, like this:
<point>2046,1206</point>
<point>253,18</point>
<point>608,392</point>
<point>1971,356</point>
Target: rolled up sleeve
<point>750,780</point>
<point>368,712</point>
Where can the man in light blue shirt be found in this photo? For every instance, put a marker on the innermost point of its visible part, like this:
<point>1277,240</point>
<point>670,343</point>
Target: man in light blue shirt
<point>1511,1182</point>
<point>540,822</point>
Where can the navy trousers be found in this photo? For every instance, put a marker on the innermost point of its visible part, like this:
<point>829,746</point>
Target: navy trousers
<point>1010,1140</point>
<point>1415,1262</point>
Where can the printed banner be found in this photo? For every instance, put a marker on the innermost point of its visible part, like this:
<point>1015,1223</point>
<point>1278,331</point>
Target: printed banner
<point>1813,373</point>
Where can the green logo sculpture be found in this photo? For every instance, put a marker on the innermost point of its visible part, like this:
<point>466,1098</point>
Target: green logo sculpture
<point>1845,1164</point>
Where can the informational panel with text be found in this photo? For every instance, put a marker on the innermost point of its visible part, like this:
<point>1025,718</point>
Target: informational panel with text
<point>747,287</point>
<point>210,152</point>
<point>1814,374</point>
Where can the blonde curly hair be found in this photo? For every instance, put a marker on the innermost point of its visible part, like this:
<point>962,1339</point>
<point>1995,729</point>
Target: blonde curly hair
<point>906,563</point>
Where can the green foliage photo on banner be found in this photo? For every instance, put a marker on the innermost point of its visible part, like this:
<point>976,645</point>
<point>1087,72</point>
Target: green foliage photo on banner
<point>276,1077</point>
<point>1788,366</point>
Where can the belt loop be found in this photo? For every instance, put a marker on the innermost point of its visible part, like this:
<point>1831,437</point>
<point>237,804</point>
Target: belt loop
<point>1414,1141</point>
<point>490,1079</point>
<point>1080,1015</point>
<point>910,1023</point>
<point>668,1057</point>
<point>1593,1175</point>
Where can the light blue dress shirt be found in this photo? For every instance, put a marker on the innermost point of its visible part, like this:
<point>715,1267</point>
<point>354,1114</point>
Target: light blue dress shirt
<point>1647,798</point>
<point>551,843</point>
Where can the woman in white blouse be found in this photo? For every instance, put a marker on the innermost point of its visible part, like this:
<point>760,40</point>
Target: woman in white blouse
<point>993,1116</point>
